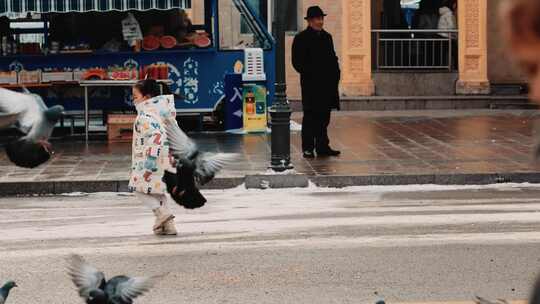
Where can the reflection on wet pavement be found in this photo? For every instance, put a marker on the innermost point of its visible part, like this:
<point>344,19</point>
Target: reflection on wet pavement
<point>493,142</point>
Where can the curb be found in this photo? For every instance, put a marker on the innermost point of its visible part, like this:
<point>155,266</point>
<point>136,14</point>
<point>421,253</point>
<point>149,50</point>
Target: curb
<point>277,182</point>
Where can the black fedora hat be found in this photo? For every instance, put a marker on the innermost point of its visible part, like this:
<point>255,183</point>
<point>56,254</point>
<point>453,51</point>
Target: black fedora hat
<point>314,12</point>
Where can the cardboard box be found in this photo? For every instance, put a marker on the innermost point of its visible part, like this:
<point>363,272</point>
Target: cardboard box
<point>30,77</point>
<point>56,76</point>
<point>120,127</point>
<point>8,77</point>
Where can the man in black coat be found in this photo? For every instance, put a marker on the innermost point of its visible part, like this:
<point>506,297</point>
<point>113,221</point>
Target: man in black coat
<point>314,57</point>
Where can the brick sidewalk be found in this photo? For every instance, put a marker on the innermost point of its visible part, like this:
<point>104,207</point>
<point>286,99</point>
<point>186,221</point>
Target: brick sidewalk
<point>373,143</point>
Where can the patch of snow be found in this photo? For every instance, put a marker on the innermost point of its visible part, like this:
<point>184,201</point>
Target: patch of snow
<point>385,189</point>
<point>295,126</point>
<point>312,188</point>
<point>74,194</point>
<point>265,184</point>
<point>432,187</point>
<point>286,172</point>
<point>236,131</point>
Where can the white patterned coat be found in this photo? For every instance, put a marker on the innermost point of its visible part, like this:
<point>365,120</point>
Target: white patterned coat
<point>150,155</point>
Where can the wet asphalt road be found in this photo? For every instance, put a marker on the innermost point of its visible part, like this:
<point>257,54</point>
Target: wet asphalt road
<point>408,244</point>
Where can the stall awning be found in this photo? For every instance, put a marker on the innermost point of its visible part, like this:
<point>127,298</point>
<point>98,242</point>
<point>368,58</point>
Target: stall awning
<point>17,7</point>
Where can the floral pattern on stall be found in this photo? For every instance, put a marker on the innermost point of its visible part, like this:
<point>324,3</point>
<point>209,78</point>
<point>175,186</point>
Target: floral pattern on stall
<point>191,81</point>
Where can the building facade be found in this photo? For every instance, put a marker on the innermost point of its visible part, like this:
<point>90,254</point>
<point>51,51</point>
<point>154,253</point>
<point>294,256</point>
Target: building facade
<point>482,62</point>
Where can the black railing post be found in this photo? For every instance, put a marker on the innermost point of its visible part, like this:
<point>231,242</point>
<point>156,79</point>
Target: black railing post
<point>280,111</point>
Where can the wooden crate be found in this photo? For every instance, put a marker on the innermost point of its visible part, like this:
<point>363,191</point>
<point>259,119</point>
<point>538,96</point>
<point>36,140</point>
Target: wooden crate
<point>120,127</point>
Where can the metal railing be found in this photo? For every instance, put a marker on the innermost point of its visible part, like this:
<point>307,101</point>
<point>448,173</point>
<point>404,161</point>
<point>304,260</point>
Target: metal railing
<point>416,49</point>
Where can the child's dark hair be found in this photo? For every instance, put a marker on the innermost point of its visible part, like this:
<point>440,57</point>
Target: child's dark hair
<point>148,87</point>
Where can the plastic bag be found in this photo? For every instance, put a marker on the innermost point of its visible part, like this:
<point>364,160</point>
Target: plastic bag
<point>131,30</point>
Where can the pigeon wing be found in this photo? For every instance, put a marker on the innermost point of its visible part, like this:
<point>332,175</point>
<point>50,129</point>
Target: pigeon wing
<point>7,120</point>
<point>25,104</point>
<point>37,98</point>
<point>208,164</point>
<point>181,145</point>
<point>134,287</point>
<point>84,276</point>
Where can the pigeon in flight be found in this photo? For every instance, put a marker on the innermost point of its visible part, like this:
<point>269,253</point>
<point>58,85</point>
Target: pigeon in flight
<point>181,186</point>
<point>4,291</point>
<point>95,289</point>
<point>29,114</point>
<point>193,166</point>
<point>205,165</point>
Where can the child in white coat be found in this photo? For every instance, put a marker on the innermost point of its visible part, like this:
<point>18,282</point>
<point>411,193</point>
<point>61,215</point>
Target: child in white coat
<point>150,155</point>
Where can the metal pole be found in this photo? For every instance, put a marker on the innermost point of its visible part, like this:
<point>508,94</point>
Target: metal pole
<point>86,116</point>
<point>450,52</point>
<point>280,112</point>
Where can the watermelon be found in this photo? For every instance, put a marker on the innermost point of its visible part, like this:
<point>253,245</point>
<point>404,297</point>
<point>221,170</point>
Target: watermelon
<point>150,43</point>
<point>168,42</point>
<point>202,41</point>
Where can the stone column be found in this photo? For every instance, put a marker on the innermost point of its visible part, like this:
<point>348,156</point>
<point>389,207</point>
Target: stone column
<point>356,49</point>
<point>472,24</point>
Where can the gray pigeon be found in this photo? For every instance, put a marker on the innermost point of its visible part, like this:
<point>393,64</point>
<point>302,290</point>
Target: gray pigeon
<point>29,114</point>
<point>4,291</point>
<point>185,150</point>
<point>95,289</point>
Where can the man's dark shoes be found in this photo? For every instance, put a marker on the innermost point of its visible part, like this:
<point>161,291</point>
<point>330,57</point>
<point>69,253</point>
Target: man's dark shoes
<point>328,152</point>
<point>309,154</point>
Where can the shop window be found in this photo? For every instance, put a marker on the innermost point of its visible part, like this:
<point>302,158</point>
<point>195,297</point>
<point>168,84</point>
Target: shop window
<point>232,15</point>
<point>74,31</point>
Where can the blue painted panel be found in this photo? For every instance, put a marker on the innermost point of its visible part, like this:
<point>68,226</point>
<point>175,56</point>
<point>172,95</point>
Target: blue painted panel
<point>197,74</point>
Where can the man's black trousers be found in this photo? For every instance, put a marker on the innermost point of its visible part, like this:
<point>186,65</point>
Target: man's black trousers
<point>315,131</point>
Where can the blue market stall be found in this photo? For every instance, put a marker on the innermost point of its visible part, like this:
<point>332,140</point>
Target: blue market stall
<point>76,36</point>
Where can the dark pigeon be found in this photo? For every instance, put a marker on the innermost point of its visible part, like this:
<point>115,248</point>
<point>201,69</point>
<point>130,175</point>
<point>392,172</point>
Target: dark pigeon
<point>4,291</point>
<point>95,289</point>
<point>181,186</point>
<point>27,154</point>
<point>29,114</point>
<point>205,165</point>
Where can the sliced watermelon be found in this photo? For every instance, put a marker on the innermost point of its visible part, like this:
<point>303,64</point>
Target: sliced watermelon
<point>150,43</point>
<point>168,42</point>
<point>202,41</point>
